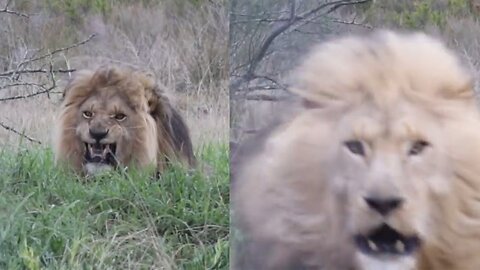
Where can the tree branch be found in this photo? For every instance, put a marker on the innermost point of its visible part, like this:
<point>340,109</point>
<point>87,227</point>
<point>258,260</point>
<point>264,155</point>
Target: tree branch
<point>263,97</point>
<point>14,72</point>
<point>291,23</point>
<point>57,51</point>
<point>46,91</point>
<point>13,12</point>
<point>19,133</point>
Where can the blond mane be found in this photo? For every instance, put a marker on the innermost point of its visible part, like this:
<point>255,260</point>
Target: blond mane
<point>276,199</point>
<point>158,135</point>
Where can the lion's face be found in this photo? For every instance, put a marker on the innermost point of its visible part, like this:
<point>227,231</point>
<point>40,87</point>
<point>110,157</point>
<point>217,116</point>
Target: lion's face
<point>389,164</point>
<point>106,122</point>
<point>106,125</point>
<point>377,168</point>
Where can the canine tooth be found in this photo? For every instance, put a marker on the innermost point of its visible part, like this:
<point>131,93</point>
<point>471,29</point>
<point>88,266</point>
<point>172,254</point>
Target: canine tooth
<point>106,150</point>
<point>372,245</point>
<point>399,246</point>
<point>90,149</point>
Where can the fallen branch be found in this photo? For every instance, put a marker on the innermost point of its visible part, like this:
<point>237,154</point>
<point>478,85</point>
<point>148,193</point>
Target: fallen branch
<point>19,133</point>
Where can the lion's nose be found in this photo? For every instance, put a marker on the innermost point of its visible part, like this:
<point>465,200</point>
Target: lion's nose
<point>98,134</point>
<point>384,206</point>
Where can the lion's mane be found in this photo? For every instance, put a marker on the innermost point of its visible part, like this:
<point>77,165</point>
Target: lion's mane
<point>285,222</point>
<point>159,136</point>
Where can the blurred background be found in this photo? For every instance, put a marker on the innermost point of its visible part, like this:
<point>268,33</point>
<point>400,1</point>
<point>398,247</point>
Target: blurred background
<point>269,37</point>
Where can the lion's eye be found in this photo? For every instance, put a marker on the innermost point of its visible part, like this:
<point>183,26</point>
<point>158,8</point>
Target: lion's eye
<point>418,147</point>
<point>356,147</point>
<point>120,116</point>
<point>87,114</point>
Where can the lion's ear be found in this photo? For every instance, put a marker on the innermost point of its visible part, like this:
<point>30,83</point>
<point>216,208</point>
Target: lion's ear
<point>157,100</point>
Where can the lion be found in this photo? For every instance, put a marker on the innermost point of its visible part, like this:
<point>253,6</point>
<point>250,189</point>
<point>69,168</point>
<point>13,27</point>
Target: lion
<point>119,117</point>
<point>378,169</point>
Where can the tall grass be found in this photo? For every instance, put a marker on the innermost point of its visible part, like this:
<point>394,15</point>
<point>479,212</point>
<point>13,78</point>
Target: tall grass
<point>183,43</point>
<point>53,219</point>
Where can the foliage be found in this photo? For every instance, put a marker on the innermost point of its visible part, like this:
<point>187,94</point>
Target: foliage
<point>416,14</point>
<point>52,219</point>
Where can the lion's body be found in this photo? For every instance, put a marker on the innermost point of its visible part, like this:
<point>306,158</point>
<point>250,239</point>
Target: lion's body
<point>299,198</point>
<point>138,120</point>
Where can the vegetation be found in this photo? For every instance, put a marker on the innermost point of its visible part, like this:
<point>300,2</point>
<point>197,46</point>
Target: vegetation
<point>417,14</point>
<point>53,219</point>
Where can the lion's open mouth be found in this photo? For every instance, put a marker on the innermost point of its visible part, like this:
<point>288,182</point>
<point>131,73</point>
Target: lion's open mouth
<point>384,240</point>
<point>101,153</point>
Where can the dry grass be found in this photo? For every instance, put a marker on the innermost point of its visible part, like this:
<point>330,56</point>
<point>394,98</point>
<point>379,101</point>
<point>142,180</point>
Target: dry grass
<point>184,46</point>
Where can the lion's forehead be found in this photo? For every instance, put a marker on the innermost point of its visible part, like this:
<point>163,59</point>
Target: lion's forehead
<point>400,122</point>
<point>114,101</point>
<point>383,69</point>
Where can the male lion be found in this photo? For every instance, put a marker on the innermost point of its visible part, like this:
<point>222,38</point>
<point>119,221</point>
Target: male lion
<point>378,170</point>
<point>119,117</point>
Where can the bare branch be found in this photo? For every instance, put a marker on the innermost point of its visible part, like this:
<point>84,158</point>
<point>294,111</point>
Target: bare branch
<point>13,12</point>
<point>19,133</point>
<point>352,22</point>
<point>50,71</point>
<point>268,78</point>
<point>294,21</point>
<point>46,91</point>
<point>58,50</point>
<point>263,97</point>
<point>344,3</point>
<point>31,71</point>
<point>22,84</point>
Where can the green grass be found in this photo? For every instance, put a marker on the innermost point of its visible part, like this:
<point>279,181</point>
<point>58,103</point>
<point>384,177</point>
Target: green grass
<point>52,219</point>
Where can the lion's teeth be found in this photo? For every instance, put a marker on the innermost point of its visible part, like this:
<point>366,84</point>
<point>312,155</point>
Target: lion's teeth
<point>372,245</point>
<point>106,149</point>
<point>90,149</point>
<point>400,246</point>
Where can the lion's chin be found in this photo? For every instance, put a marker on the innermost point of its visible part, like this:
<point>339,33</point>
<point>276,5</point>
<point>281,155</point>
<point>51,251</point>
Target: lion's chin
<point>385,242</point>
<point>99,157</point>
<point>97,168</point>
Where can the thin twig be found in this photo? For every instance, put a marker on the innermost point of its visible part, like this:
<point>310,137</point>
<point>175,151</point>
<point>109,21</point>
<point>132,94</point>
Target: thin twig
<point>263,97</point>
<point>31,71</point>
<point>19,133</point>
<point>57,51</point>
<point>46,91</point>
<point>268,78</point>
<point>293,22</point>
<point>352,22</point>
<point>13,12</point>
<point>22,84</point>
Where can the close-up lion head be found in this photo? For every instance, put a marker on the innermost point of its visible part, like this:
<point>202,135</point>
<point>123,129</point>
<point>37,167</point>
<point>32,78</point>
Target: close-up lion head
<point>119,117</point>
<point>374,172</point>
